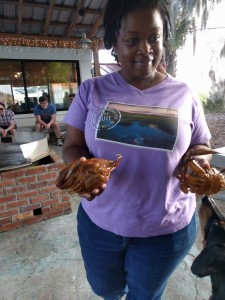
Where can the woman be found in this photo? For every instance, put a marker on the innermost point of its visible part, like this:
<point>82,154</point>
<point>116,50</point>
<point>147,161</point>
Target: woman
<point>138,228</point>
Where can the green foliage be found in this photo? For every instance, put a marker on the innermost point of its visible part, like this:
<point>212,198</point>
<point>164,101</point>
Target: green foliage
<point>203,98</point>
<point>210,105</point>
<point>217,107</point>
<point>181,21</point>
<point>58,72</point>
<point>183,15</point>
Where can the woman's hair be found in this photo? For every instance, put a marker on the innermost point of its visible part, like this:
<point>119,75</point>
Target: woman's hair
<point>116,10</point>
<point>2,104</point>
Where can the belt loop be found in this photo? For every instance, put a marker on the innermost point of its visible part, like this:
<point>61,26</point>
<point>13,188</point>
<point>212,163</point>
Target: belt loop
<point>126,242</point>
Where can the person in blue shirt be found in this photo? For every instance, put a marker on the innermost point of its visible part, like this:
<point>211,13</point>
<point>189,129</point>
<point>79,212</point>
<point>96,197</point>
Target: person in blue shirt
<point>45,114</point>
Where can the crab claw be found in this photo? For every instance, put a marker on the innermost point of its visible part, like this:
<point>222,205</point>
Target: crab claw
<point>203,150</point>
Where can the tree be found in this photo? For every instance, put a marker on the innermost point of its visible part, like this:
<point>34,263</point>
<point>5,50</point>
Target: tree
<point>185,16</point>
<point>180,27</point>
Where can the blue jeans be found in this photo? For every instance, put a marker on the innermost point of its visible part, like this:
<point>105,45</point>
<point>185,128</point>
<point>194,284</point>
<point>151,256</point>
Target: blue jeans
<point>139,267</point>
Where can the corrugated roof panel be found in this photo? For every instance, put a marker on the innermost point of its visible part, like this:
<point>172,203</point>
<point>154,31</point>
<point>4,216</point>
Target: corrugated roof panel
<point>97,4</point>
<point>9,10</point>
<point>32,28</point>
<point>56,30</point>
<point>28,12</point>
<point>99,34</point>
<point>61,16</point>
<point>36,14</point>
<point>8,27</point>
<point>42,1</point>
<point>71,3</point>
<point>39,13</point>
<point>88,19</point>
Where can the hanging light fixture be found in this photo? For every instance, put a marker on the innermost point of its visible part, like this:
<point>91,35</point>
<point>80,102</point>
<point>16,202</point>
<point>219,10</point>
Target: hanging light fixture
<point>84,42</point>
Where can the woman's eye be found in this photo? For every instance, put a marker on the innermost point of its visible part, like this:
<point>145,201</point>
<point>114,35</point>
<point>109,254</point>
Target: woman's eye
<point>154,39</point>
<point>131,42</point>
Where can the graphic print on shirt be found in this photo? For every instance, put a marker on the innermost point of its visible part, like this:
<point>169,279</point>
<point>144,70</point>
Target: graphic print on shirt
<point>139,126</point>
<point>105,118</point>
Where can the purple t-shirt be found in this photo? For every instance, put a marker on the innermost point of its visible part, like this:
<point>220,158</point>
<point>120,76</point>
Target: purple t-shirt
<point>151,129</point>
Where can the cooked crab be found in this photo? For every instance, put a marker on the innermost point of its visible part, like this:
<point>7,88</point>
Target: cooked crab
<point>193,178</point>
<point>83,176</point>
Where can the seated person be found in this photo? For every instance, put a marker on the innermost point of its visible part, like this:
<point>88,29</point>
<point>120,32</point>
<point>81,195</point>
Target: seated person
<point>45,114</point>
<point>14,106</point>
<point>7,121</point>
<point>32,102</point>
<point>69,100</point>
<point>71,97</point>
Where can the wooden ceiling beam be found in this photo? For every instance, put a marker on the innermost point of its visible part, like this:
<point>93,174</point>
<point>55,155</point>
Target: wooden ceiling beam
<point>48,18</point>
<point>20,17</point>
<point>92,11</point>
<point>96,26</point>
<point>73,22</point>
<point>38,22</point>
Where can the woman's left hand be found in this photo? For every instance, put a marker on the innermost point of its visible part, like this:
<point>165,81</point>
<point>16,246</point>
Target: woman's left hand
<point>203,162</point>
<point>96,192</point>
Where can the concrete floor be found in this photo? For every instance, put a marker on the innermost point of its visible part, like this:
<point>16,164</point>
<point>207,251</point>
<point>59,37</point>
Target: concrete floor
<point>43,262</point>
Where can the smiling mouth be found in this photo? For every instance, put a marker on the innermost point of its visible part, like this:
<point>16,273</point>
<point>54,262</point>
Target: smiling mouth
<point>146,61</point>
<point>143,62</point>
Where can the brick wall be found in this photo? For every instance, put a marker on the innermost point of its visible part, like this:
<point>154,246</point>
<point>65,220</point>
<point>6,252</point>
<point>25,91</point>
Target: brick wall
<point>29,195</point>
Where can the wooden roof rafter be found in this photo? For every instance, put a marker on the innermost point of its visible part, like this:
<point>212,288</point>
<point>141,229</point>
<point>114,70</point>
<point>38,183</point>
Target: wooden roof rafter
<point>96,26</point>
<point>49,16</point>
<point>73,22</point>
<point>20,17</point>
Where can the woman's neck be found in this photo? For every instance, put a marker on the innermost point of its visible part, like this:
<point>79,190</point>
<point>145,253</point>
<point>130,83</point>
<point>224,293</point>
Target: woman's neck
<point>144,83</point>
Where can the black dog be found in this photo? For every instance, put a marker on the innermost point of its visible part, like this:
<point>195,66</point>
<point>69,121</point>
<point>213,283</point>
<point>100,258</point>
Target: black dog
<point>211,260</point>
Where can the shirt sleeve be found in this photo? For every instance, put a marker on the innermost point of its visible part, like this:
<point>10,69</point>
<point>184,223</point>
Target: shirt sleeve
<point>12,115</point>
<point>36,111</point>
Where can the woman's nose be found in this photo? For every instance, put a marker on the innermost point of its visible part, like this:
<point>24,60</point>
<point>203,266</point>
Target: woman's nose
<point>144,48</point>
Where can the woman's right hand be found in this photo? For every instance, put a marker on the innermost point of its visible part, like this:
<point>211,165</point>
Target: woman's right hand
<point>74,147</point>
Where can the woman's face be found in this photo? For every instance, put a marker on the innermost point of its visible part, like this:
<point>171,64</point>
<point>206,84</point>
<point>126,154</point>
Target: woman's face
<point>139,45</point>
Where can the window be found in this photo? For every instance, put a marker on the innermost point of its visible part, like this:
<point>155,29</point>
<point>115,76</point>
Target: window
<point>23,82</point>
